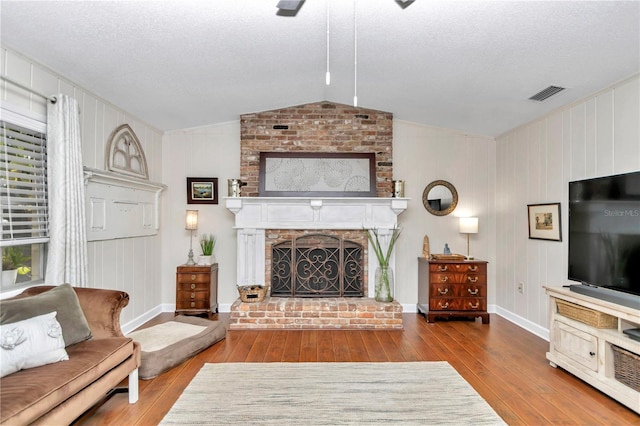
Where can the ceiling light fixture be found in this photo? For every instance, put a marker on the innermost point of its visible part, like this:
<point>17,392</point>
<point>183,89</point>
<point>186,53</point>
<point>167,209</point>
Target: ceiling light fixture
<point>355,53</point>
<point>327,77</point>
<point>404,3</point>
<point>289,7</point>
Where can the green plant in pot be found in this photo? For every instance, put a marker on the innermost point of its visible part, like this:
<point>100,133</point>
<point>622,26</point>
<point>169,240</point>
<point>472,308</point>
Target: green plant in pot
<point>207,244</point>
<point>384,273</point>
<point>14,263</point>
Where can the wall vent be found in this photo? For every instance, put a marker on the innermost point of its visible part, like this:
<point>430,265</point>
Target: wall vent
<point>546,93</point>
<point>280,127</point>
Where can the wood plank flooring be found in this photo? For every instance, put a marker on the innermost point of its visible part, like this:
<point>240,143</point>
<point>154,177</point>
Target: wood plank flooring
<point>504,363</point>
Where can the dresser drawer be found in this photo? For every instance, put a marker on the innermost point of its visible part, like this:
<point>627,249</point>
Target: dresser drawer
<point>192,286</point>
<point>193,278</point>
<point>193,304</point>
<point>462,304</point>
<point>192,295</point>
<point>477,268</point>
<point>457,290</point>
<point>457,278</point>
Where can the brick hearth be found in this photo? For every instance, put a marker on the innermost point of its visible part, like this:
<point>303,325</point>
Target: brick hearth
<point>315,313</point>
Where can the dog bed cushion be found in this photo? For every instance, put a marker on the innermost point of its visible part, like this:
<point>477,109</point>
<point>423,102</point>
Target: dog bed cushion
<point>168,344</point>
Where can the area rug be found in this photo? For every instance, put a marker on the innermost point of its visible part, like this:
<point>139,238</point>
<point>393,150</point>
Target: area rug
<point>402,393</point>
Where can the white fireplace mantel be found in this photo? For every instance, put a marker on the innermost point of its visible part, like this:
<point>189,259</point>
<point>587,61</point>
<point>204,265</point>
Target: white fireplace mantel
<point>254,215</point>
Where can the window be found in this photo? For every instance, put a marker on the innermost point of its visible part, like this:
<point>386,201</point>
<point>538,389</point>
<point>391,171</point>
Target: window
<point>23,200</point>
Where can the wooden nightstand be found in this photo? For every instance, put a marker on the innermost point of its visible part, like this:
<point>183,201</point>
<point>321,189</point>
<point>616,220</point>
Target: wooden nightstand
<point>448,288</point>
<point>196,289</point>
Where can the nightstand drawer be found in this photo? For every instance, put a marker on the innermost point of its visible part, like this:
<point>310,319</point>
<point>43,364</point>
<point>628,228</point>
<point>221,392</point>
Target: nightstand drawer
<point>462,304</point>
<point>193,278</point>
<point>193,286</point>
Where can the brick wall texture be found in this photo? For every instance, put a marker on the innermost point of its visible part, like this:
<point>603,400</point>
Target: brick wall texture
<point>316,127</point>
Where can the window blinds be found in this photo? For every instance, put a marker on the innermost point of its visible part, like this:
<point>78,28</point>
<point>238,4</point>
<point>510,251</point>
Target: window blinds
<point>23,185</point>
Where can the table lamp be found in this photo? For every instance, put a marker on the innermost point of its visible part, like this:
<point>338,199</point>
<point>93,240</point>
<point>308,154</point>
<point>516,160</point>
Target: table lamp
<point>191,225</point>
<point>468,225</point>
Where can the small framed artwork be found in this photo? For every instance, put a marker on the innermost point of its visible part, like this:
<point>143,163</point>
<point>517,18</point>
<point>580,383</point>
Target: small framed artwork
<point>544,222</point>
<point>202,190</point>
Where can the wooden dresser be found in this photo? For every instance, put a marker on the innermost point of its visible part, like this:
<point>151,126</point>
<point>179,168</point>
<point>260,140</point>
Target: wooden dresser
<point>196,289</point>
<point>452,288</point>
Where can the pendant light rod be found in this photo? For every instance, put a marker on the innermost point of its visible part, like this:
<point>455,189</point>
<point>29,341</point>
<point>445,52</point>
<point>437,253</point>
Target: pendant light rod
<point>355,53</point>
<point>328,74</point>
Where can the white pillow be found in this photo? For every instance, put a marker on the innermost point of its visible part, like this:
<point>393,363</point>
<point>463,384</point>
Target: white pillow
<point>31,343</point>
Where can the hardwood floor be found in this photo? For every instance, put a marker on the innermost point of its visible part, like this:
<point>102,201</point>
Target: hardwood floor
<point>503,362</point>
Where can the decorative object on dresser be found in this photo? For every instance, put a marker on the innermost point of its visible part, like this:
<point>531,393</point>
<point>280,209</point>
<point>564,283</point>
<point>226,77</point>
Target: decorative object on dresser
<point>587,338</point>
<point>207,244</point>
<point>452,288</point>
<point>468,225</point>
<point>191,225</point>
<point>426,252</point>
<point>197,289</point>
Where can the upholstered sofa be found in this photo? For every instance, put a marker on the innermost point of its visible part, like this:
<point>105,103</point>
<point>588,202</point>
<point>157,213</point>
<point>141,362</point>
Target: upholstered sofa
<point>59,392</point>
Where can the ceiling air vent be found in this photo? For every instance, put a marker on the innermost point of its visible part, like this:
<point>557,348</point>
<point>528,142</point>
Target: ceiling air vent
<point>546,93</point>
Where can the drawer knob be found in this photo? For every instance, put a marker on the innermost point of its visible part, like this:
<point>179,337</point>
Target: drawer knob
<point>445,306</point>
<point>193,304</point>
<point>443,292</point>
<point>193,295</point>
<point>193,286</point>
<point>472,292</point>
<point>193,277</point>
<point>472,279</point>
<point>473,268</point>
<point>472,306</point>
<point>444,279</point>
<point>443,268</point>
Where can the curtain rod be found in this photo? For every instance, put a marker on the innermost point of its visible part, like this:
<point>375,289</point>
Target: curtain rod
<point>53,100</point>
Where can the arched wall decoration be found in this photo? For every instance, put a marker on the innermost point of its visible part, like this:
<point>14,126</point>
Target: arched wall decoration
<point>125,154</point>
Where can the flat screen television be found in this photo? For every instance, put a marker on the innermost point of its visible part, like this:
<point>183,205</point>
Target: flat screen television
<point>604,237</point>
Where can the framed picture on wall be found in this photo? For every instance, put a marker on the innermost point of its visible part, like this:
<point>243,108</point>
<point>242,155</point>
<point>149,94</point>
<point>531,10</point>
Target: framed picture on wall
<point>202,190</point>
<point>544,222</point>
<point>317,174</point>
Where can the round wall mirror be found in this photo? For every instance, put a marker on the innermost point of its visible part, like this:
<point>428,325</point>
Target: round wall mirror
<point>440,198</point>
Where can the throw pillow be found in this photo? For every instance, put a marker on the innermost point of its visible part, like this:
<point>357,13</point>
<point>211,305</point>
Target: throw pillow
<point>31,343</point>
<point>62,299</point>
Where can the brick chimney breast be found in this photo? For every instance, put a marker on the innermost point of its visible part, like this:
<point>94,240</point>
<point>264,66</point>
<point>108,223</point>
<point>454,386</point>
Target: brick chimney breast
<point>316,127</point>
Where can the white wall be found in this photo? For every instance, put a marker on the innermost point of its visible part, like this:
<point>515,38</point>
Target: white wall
<point>210,151</point>
<point>598,136</point>
<point>422,154</point>
<point>130,264</point>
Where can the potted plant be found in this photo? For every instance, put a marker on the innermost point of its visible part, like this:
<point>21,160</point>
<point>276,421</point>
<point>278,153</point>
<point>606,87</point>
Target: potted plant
<point>207,244</point>
<point>14,263</point>
<point>384,274</point>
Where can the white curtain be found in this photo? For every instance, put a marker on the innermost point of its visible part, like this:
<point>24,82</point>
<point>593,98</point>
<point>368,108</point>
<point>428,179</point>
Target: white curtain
<point>67,255</point>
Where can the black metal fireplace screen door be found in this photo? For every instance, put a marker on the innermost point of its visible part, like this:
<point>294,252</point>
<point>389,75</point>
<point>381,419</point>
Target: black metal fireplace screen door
<point>317,265</point>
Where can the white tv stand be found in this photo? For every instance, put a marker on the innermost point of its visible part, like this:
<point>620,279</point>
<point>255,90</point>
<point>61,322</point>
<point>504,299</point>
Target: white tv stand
<point>585,351</point>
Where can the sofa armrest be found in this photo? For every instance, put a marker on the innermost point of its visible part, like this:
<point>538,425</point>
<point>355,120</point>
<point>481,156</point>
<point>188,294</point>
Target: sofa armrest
<point>101,307</point>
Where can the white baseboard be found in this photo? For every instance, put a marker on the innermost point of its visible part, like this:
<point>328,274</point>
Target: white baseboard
<point>532,327</point>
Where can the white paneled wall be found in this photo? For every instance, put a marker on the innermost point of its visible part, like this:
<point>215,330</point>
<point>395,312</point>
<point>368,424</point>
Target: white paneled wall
<point>422,154</point>
<point>214,152</point>
<point>596,137</point>
<point>130,264</point>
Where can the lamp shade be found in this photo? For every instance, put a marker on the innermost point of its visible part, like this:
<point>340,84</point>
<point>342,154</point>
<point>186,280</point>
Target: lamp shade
<point>192,220</point>
<point>468,225</point>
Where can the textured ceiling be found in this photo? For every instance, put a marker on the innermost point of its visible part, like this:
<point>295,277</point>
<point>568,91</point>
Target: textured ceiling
<point>464,65</point>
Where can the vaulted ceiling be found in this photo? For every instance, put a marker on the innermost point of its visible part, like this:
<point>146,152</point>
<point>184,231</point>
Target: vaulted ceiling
<point>464,65</point>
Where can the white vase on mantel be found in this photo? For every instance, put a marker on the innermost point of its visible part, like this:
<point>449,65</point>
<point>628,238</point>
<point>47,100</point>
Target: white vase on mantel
<point>206,260</point>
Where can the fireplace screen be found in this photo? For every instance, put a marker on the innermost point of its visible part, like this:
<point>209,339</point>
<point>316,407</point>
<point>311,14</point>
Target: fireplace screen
<point>317,266</point>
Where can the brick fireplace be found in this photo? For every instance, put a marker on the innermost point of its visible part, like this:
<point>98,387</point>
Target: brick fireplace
<point>263,223</point>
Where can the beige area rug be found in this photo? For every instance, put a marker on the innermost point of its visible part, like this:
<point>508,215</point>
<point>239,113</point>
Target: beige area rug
<point>402,393</point>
